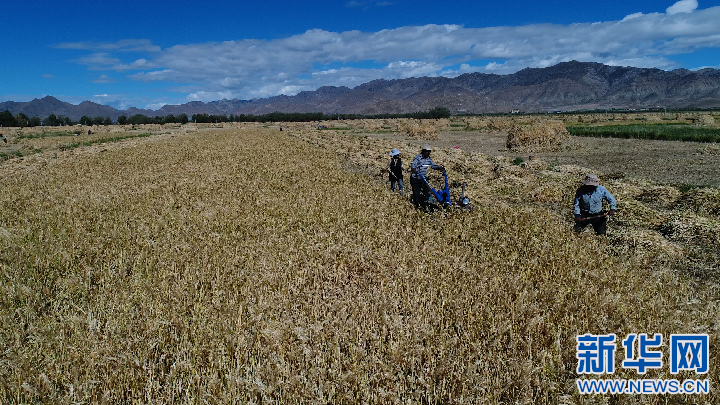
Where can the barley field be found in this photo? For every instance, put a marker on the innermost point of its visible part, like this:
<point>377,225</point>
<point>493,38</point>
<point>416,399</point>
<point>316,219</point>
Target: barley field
<point>248,265</point>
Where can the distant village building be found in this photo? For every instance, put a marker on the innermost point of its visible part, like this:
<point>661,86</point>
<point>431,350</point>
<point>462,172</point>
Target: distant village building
<point>514,111</point>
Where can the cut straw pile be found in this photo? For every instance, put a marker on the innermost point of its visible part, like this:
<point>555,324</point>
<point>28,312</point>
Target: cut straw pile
<point>421,129</point>
<point>545,136</point>
<point>703,201</point>
<point>705,120</point>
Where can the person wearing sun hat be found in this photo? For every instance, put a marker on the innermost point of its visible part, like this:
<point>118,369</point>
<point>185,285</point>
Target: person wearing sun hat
<point>419,166</point>
<point>588,205</point>
<point>395,170</point>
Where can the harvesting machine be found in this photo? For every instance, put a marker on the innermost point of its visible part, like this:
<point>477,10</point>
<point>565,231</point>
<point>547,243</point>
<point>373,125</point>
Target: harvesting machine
<point>440,198</point>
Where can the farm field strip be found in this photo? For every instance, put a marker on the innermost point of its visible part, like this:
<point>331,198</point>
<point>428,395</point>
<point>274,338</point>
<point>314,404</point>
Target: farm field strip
<point>645,206</point>
<point>26,145</point>
<point>102,139</point>
<point>48,134</point>
<point>249,265</point>
<point>666,132</point>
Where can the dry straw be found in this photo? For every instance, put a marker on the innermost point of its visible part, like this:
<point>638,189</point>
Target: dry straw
<point>705,120</point>
<point>249,266</point>
<point>544,136</point>
<point>703,201</point>
<point>421,129</point>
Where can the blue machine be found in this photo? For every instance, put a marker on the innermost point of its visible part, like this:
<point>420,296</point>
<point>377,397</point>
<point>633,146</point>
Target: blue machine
<point>442,197</point>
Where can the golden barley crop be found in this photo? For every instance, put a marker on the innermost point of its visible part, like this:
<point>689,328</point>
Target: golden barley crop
<point>252,265</point>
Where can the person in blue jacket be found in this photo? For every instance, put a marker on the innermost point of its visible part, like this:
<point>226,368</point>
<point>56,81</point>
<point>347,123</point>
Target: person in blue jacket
<point>419,166</point>
<point>395,170</point>
<point>588,205</point>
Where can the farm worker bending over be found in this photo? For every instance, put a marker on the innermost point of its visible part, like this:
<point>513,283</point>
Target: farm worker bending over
<point>588,206</point>
<point>421,191</point>
<point>396,170</point>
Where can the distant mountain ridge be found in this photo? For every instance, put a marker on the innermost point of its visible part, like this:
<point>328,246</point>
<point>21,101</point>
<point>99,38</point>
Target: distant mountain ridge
<point>565,86</point>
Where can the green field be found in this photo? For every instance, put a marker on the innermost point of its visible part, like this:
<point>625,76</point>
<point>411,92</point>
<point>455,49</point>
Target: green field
<point>663,132</point>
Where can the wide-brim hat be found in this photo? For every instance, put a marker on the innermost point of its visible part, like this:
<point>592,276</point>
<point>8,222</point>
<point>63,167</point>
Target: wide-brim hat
<point>427,147</point>
<point>591,180</point>
<point>394,152</point>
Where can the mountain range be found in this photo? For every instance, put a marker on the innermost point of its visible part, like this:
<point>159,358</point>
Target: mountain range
<point>565,86</point>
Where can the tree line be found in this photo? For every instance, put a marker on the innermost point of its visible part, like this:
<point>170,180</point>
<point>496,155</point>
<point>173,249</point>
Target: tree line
<point>438,112</point>
<point>22,120</point>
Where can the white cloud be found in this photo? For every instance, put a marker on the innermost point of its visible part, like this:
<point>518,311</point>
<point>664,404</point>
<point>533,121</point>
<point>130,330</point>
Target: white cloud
<point>104,79</point>
<point>495,67</point>
<point>405,69</point>
<point>706,67</point>
<point>98,60</point>
<point>251,68</point>
<point>631,16</point>
<point>158,75</point>
<point>120,101</point>
<point>126,45</point>
<point>682,6</point>
<point>155,106</point>
<point>462,69</point>
<point>208,96</point>
<point>643,62</point>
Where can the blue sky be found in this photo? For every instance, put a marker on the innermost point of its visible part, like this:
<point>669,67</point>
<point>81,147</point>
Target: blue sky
<point>150,53</point>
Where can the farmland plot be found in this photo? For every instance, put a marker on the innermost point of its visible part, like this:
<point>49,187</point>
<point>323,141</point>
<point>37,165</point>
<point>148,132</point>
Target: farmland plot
<point>249,266</point>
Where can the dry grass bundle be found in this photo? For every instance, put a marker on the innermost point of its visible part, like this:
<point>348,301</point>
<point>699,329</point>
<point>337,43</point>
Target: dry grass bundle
<point>501,124</point>
<point>542,137</point>
<point>551,192</point>
<point>512,171</point>
<point>703,201</point>
<point>334,124</point>
<point>439,123</point>
<point>534,163</point>
<point>660,196</point>
<point>636,214</point>
<point>372,125</point>
<point>692,229</point>
<point>420,129</point>
<point>647,246</point>
<point>501,162</point>
<point>473,123</point>
<point>705,120</point>
<point>574,170</point>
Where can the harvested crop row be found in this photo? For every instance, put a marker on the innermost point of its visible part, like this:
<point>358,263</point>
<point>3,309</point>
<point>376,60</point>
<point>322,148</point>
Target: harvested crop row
<point>644,207</point>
